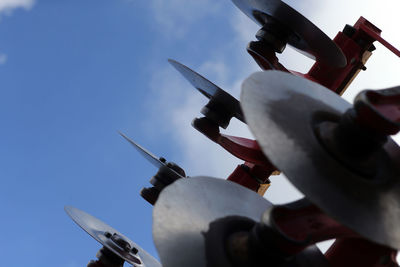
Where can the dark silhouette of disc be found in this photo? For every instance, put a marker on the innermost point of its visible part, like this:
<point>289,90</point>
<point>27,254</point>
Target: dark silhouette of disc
<point>98,230</point>
<point>305,36</point>
<point>148,155</point>
<point>209,90</point>
<point>144,152</point>
<point>185,209</point>
<point>281,110</point>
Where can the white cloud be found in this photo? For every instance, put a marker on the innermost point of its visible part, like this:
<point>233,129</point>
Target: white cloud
<point>7,6</point>
<point>176,16</point>
<point>3,59</point>
<point>244,27</point>
<point>177,104</point>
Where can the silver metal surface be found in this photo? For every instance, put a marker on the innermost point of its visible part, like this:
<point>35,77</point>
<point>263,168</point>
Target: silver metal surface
<point>307,37</point>
<point>98,230</point>
<point>280,109</point>
<point>184,210</point>
<point>145,153</point>
<point>208,89</point>
<point>148,155</point>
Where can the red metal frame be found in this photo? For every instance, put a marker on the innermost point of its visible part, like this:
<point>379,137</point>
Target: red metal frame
<point>309,225</point>
<point>312,223</point>
<point>357,49</point>
<point>352,252</point>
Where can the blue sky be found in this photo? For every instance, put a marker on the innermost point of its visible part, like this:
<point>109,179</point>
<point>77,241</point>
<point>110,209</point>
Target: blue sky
<point>72,73</point>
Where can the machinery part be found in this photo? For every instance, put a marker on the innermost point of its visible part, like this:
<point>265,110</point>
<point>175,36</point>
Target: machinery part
<point>264,56</point>
<point>114,243</point>
<point>299,31</point>
<point>163,178</point>
<point>376,36</point>
<point>302,221</point>
<point>281,238</point>
<point>257,168</point>
<point>221,107</point>
<point>379,110</point>
<point>349,252</point>
<point>185,209</point>
<point>284,113</point>
<point>357,138</point>
<point>356,42</point>
<point>253,177</point>
<point>157,162</point>
<point>235,241</point>
<point>242,148</point>
<point>168,172</point>
<point>309,257</point>
<point>106,258</point>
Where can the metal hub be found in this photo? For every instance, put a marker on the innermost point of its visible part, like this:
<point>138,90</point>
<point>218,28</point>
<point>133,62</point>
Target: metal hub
<point>185,209</point>
<point>300,32</point>
<point>282,111</point>
<point>111,239</point>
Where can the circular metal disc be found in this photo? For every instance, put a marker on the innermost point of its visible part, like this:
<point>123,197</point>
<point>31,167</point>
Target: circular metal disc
<point>184,210</point>
<point>148,155</point>
<point>144,152</point>
<point>279,109</point>
<point>208,89</point>
<point>307,37</point>
<point>97,229</point>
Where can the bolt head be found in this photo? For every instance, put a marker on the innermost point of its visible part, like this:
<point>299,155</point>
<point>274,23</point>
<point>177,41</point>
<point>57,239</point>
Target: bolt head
<point>134,250</point>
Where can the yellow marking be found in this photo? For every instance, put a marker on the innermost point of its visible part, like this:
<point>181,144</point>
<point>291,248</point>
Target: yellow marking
<point>263,188</point>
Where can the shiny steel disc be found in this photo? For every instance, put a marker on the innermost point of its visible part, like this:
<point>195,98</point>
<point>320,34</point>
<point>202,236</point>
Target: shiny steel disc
<point>157,162</point>
<point>101,232</point>
<point>306,37</point>
<point>208,89</point>
<point>184,210</point>
<point>281,110</point>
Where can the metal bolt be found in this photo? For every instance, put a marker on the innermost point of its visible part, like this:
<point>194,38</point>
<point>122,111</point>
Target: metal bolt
<point>127,247</point>
<point>134,250</point>
<point>107,234</point>
<point>163,160</point>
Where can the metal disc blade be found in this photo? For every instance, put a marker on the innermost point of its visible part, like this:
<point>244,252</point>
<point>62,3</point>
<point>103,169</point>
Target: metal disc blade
<point>281,110</point>
<point>306,37</point>
<point>185,209</point>
<point>208,89</point>
<point>148,155</point>
<point>97,229</point>
<point>145,153</point>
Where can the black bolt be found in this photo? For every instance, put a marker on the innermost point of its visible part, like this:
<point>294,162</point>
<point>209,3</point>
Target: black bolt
<point>134,250</point>
<point>371,48</point>
<point>349,30</point>
<point>163,160</point>
<point>107,234</point>
<point>245,167</point>
<point>127,247</point>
